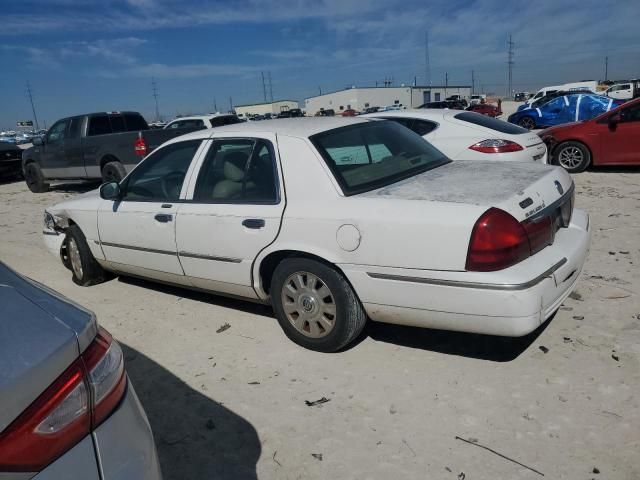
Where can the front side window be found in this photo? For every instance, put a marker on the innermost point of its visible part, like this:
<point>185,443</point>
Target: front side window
<point>238,171</point>
<point>74,127</point>
<point>160,176</point>
<point>371,155</point>
<point>57,132</point>
<point>631,114</point>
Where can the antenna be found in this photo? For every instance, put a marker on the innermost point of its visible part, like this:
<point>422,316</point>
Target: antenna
<point>270,86</point>
<point>33,108</point>
<point>427,63</point>
<point>264,88</point>
<point>510,64</point>
<point>154,88</point>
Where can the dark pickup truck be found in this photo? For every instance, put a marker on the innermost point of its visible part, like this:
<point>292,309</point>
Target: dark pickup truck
<point>105,145</point>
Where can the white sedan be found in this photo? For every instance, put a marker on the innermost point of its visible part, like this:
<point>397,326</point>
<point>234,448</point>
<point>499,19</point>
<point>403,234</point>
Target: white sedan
<point>463,135</point>
<point>212,120</point>
<point>335,221</point>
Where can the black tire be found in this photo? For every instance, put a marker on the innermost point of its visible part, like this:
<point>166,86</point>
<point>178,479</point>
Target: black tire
<point>349,319</point>
<point>34,178</point>
<point>90,273</point>
<point>113,172</point>
<point>527,122</point>
<point>574,157</point>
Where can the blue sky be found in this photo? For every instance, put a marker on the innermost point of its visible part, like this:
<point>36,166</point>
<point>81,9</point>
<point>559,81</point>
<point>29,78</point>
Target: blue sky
<point>93,55</point>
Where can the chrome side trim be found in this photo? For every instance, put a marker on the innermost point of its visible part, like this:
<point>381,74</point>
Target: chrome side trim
<point>210,257</point>
<point>138,249</point>
<point>456,283</point>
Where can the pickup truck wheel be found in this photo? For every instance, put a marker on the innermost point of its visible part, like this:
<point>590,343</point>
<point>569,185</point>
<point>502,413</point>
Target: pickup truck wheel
<point>34,178</point>
<point>315,305</point>
<point>86,270</point>
<point>113,172</point>
<point>574,157</point>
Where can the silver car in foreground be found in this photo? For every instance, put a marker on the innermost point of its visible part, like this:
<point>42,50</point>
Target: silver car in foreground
<point>67,408</point>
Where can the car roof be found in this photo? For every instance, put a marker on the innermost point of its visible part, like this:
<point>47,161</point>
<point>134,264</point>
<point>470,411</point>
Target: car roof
<point>303,127</point>
<point>203,117</point>
<point>426,113</point>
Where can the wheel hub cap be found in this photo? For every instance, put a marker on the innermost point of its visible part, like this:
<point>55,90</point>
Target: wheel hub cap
<point>308,304</point>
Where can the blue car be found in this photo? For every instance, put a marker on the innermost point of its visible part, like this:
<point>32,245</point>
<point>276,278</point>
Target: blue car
<point>568,108</point>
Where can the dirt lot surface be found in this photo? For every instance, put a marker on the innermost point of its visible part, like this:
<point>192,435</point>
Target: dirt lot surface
<point>563,401</point>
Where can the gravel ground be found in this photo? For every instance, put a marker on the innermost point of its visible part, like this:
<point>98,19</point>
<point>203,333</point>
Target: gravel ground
<point>231,405</point>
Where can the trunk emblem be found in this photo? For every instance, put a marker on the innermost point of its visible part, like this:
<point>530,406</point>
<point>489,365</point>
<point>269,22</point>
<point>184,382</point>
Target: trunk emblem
<point>559,187</point>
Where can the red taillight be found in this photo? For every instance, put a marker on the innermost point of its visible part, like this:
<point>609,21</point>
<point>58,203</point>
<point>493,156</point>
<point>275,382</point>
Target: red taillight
<point>496,146</point>
<point>68,410</point>
<point>140,146</point>
<point>540,232</point>
<point>497,241</point>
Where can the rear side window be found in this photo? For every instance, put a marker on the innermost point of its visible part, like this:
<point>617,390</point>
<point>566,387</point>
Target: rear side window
<point>490,122</point>
<point>99,125</point>
<point>194,123</point>
<point>135,122</point>
<point>117,123</point>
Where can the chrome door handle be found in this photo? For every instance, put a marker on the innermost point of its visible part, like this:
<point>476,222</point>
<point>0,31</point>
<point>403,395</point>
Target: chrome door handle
<point>253,223</point>
<point>163,217</point>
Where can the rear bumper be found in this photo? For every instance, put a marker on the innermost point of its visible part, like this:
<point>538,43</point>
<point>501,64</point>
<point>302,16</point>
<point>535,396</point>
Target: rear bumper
<point>124,443</point>
<point>511,302</point>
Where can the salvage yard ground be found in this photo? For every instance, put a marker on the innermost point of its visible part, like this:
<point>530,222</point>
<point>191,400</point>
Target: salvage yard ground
<point>241,402</point>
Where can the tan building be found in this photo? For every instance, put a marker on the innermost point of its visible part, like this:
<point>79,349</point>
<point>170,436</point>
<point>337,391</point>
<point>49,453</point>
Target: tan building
<point>262,108</point>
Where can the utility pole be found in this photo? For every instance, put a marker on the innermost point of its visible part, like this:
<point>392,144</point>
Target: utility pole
<point>446,83</point>
<point>320,89</point>
<point>230,105</point>
<point>473,82</point>
<point>264,88</point>
<point>33,108</point>
<point>510,63</point>
<point>215,105</point>
<point>154,88</point>
<point>270,86</point>
<point>427,63</point>
<point>606,68</point>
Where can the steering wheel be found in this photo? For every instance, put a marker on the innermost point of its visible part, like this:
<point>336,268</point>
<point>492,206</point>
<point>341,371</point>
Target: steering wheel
<point>170,182</point>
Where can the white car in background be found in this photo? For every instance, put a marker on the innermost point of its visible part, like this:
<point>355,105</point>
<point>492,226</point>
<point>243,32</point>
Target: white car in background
<point>212,120</point>
<point>463,135</point>
<point>334,221</point>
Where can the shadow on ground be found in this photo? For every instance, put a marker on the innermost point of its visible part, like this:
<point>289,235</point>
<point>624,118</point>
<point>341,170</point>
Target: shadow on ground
<point>196,437</point>
<point>482,347</point>
<point>74,187</point>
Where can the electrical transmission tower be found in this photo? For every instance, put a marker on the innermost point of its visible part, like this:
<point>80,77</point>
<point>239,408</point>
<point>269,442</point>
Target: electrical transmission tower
<point>606,68</point>
<point>473,82</point>
<point>510,63</point>
<point>427,63</point>
<point>154,94</point>
<point>33,108</point>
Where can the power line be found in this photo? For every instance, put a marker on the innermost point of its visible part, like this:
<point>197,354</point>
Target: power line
<point>154,88</point>
<point>510,64</point>
<point>33,108</point>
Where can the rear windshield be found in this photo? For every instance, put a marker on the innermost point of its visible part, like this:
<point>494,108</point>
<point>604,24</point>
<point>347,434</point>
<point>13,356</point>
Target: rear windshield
<point>490,122</point>
<point>135,122</point>
<point>372,155</point>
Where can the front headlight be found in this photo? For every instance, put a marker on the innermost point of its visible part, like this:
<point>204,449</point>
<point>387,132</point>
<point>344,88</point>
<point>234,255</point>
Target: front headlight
<point>49,221</point>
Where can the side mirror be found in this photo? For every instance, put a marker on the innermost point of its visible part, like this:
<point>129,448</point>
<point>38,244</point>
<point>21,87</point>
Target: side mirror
<point>110,191</point>
<point>614,120</point>
<point>37,141</point>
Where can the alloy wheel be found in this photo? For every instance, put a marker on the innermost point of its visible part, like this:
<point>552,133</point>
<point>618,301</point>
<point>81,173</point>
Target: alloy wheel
<point>309,304</point>
<point>570,157</point>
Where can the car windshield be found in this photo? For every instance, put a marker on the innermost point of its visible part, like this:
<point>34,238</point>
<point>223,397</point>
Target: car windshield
<point>372,155</point>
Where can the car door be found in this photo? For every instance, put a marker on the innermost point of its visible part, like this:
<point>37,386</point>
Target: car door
<point>52,152</point>
<point>137,232</point>
<point>233,210</point>
<point>621,141</point>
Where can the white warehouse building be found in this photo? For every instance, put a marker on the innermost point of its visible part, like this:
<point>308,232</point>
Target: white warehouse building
<point>359,98</point>
<point>262,108</point>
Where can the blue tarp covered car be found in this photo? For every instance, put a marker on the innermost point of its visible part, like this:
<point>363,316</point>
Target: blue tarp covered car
<point>565,109</point>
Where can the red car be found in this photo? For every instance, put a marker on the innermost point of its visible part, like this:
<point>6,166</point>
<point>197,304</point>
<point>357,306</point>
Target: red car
<point>612,138</point>
<point>485,109</point>
<point>349,112</point>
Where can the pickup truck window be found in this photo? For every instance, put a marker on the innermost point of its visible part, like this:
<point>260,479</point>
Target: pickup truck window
<point>99,125</point>
<point>135,122</point>
<point>160,176</point>
<point>74,127</point>
<point>117,123</point>
<point>57,132</point>
<point>238,171</point>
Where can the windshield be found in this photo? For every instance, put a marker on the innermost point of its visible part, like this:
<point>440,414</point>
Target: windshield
<point>372,155</point>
